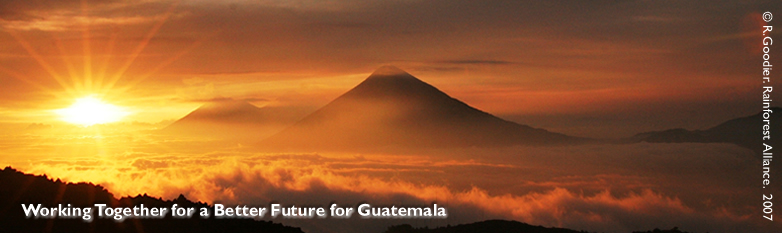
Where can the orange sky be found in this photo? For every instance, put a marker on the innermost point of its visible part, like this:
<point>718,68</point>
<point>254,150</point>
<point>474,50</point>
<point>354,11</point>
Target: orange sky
<point>606,69</point>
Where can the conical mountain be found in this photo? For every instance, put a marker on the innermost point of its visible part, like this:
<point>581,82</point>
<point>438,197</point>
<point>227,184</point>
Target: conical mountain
<point>232,119</point>
<point>391,108</point>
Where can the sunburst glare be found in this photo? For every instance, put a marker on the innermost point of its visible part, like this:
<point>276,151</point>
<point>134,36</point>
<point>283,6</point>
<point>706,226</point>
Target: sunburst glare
<point>89,110</point>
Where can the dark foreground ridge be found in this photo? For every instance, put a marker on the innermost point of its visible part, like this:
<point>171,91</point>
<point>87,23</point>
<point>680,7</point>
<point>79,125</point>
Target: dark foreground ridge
<point>17,188</point>
<point>744,131</point>
<point>485,226</point>
<point>500,226</point>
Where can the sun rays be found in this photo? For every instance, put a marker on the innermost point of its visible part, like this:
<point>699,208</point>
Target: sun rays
<point>101,80</point>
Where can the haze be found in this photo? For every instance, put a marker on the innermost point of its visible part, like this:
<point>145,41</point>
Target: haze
<point>605,69</point>
<point>497,110</point>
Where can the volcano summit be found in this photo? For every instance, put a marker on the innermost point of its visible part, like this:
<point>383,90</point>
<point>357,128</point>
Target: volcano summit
<point>392,108</point>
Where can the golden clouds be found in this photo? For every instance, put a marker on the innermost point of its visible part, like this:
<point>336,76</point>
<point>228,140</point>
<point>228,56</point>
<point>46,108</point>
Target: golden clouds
<point>596,187</point>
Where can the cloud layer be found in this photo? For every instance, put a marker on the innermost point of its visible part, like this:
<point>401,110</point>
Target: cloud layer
<point>611,188</point>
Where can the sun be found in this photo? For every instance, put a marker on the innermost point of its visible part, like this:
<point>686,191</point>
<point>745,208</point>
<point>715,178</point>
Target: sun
<point>87,111</point>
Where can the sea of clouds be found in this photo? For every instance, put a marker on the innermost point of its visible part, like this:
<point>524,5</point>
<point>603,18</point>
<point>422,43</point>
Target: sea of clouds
<point>606,188</point>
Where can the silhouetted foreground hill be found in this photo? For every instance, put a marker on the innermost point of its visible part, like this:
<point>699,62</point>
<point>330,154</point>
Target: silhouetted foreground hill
<point>745,132</point>
<point>392,108</point>
<point>17,188</point>
<point>500,226</point>
<point>674,230</point>
<point>489,226</point>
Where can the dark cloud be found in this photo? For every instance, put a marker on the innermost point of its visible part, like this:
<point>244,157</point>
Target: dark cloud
<point>223,99</point>
<point>478,62</point>
<point>90,6</point>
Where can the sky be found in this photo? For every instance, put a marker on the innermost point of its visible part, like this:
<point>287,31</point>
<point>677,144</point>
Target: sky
<point>602,69</point>
<point>599,69</point>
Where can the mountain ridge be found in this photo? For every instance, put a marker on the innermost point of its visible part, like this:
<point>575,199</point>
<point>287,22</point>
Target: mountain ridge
<point>504,226</point>
<point>19,188</point>
<point>742,131</point>
<point>234,119</point>
<point>393,108</point>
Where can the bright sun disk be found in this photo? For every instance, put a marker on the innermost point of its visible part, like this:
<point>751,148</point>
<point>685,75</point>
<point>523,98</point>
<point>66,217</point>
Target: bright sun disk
<point>87,111</point>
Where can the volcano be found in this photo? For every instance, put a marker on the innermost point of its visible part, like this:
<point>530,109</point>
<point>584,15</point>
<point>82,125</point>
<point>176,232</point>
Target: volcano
<point>234,119</point>
<point>391,108</point>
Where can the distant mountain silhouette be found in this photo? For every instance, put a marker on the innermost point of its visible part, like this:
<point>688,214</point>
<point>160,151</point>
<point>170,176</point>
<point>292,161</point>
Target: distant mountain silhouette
<point>17,188</point>
<point>490,226</point>
<point>231,119</point>
<point>745,132</point>
<point>392,108</point>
